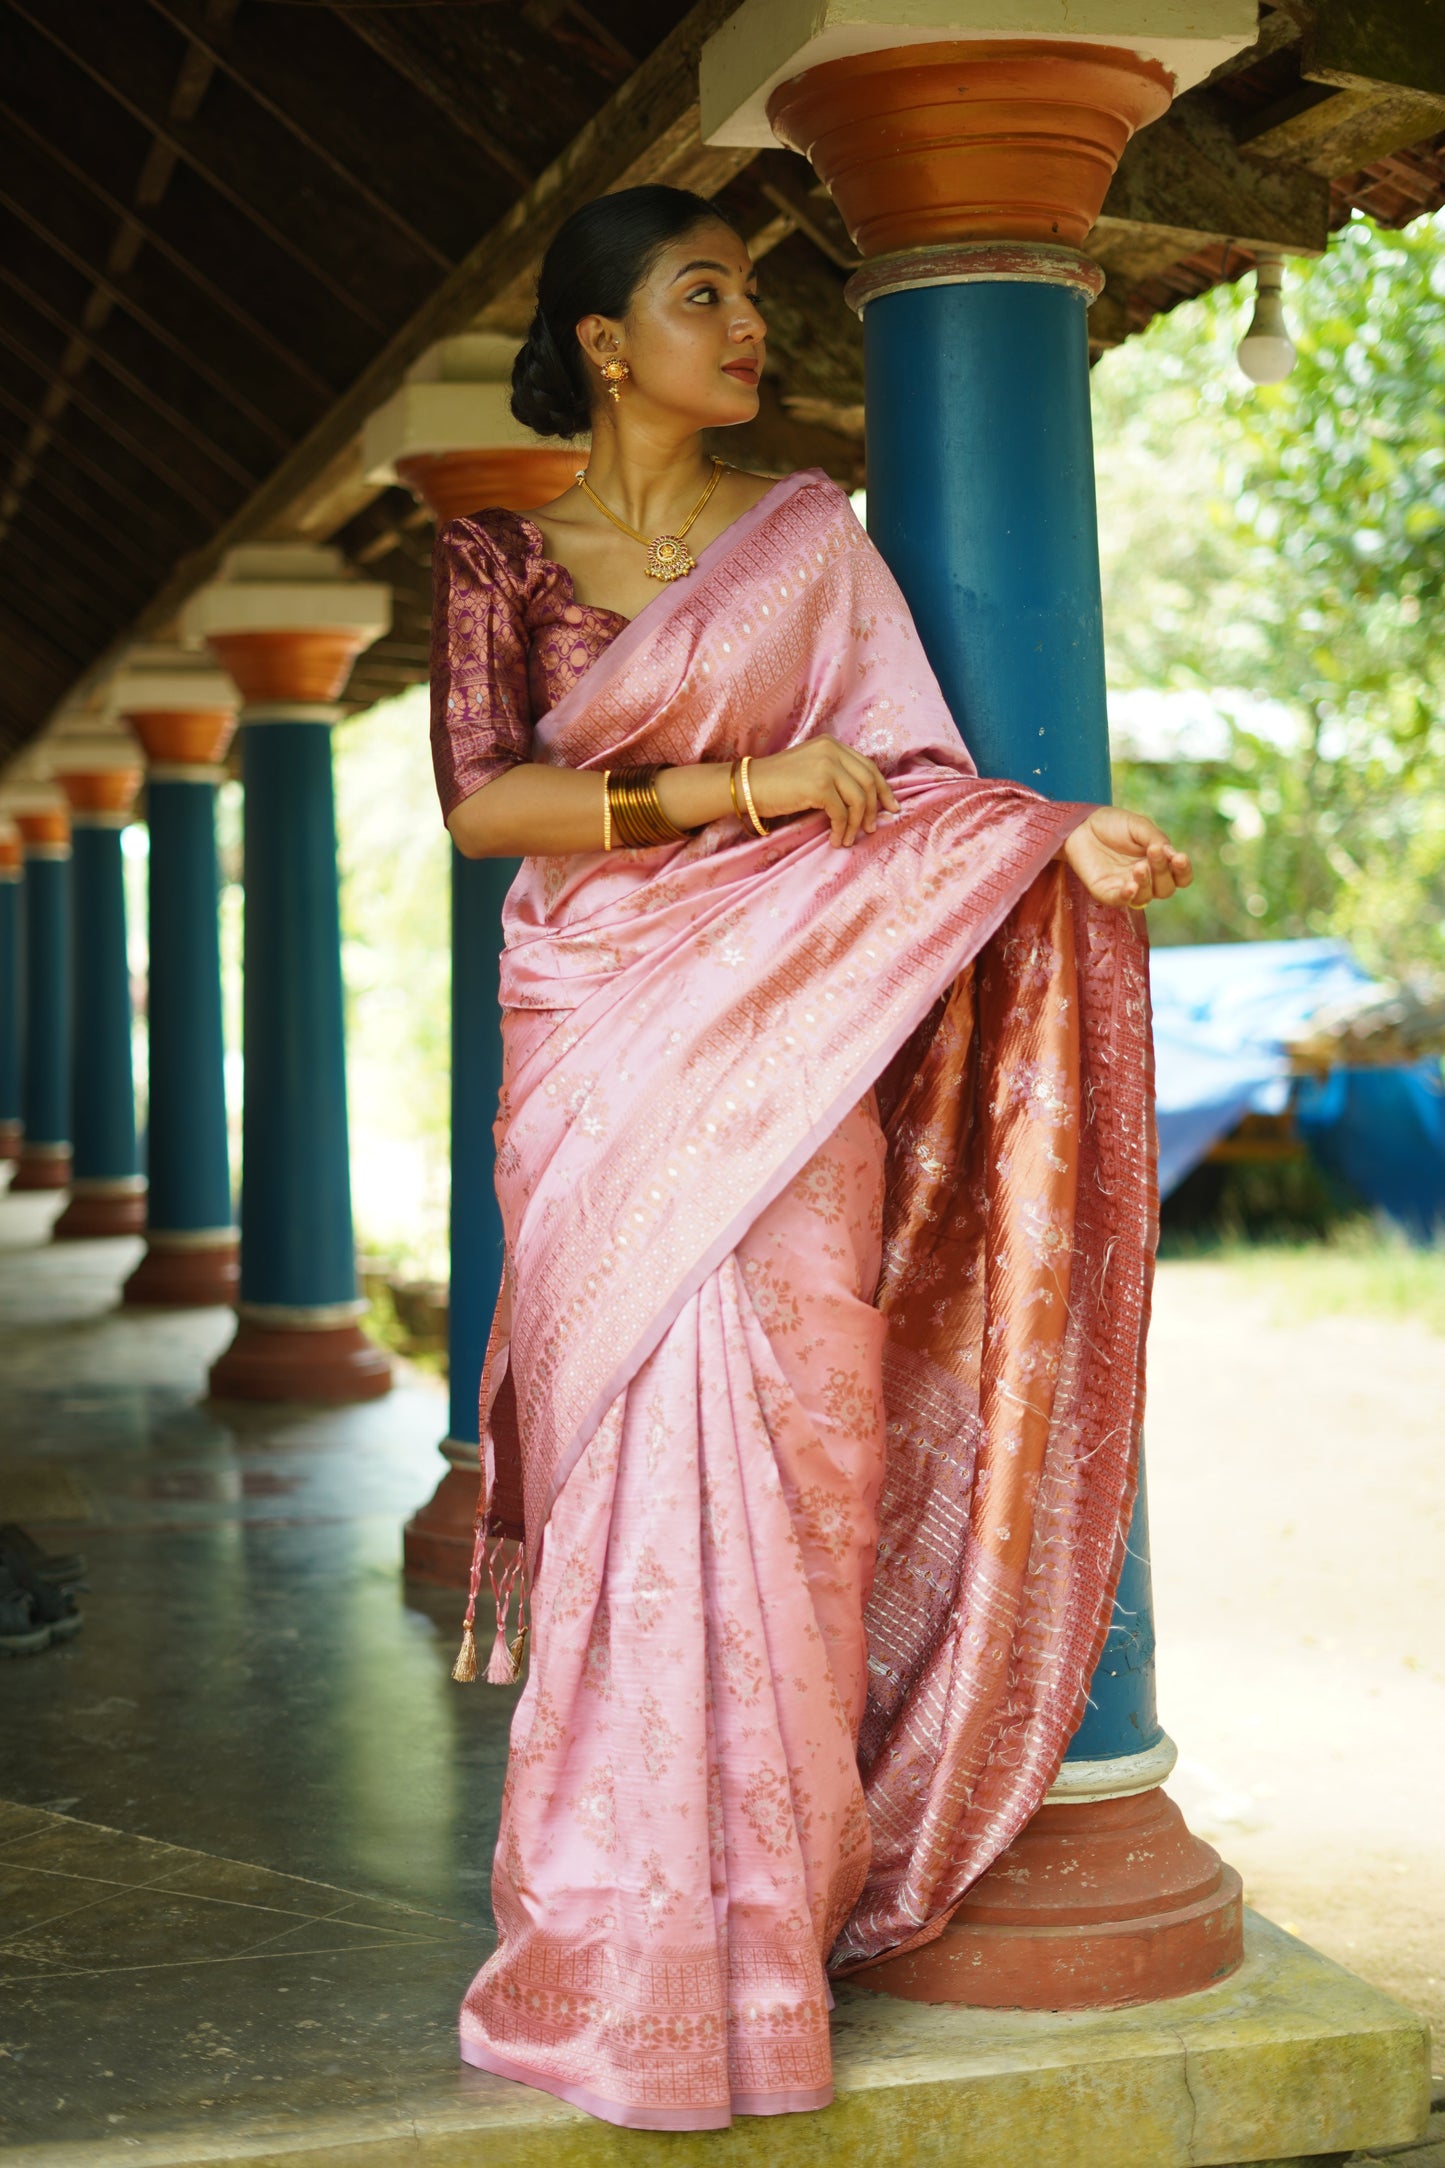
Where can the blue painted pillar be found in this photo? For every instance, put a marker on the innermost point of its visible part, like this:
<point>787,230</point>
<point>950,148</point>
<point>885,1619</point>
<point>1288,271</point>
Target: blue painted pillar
<point>479,886</point>
<point>10,984</point>
<point>299,1305</point>
<point>107,1189</point>
<point>44,1161</point>
<point>191,1238</point>
<point>287,622</point>
<point>981,497</point>
<point>437,1540</point>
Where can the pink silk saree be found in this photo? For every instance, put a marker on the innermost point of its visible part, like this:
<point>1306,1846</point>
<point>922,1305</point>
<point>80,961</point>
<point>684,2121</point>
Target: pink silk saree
<point>827,1180</point>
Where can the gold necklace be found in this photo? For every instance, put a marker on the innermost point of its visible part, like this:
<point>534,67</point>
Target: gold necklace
<point>668,558</point>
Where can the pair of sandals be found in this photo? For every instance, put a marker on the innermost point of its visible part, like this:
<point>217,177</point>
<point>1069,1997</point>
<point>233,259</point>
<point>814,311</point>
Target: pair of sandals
<point>37,1605</point>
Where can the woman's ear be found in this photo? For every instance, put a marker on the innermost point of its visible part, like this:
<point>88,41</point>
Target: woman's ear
<point>600,338</point>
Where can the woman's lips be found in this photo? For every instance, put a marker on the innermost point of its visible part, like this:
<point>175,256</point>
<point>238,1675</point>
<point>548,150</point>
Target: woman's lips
<point>746,372</point>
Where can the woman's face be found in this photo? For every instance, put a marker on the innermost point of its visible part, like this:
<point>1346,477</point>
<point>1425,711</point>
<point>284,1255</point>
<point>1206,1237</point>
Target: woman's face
<point>692,337</point>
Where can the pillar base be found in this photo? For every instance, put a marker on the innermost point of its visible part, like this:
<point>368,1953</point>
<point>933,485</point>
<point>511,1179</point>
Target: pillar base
<point>42,1166</point>
<point>332,1365</point>
<point>98,1209</point>
<point>183,1277</point>
<point>11,1134</point>
<point>436,1544</point>
<point>1094,1906</point>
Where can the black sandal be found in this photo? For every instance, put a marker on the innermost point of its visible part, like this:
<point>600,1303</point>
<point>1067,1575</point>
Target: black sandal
<point>20,1634</point>
<point>52,1606</point>
<point>59,1566</point>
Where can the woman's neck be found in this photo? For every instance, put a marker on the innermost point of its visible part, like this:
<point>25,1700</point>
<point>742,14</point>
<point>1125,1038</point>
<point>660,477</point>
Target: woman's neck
<point>646,472</point>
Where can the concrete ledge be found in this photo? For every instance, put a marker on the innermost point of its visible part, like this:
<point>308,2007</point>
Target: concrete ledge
<point>1293,2058</point>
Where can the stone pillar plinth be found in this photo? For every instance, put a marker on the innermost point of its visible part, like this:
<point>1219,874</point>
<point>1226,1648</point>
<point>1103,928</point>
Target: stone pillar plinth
<point>183,716</point>
<point>99,777</point>
<point>11,875</point>
<point>449,435</point>
<point>969,169</point>
<point>286,624</point>
<point>43,819</point>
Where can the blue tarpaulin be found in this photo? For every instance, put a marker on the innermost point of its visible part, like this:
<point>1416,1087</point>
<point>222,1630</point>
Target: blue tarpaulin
<point>1222,1014</point>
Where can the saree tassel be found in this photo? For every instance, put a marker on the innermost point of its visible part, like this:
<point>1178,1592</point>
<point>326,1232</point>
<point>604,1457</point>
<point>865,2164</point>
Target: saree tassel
<point>504,1665</point>
<point>464,1670</point>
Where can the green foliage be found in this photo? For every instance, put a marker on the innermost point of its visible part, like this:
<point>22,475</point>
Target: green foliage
<point>396,956</point>
<point>1285,544</point>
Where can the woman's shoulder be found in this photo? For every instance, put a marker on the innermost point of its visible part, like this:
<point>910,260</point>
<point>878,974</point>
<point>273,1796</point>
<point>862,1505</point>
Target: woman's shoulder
<point>503,548</point>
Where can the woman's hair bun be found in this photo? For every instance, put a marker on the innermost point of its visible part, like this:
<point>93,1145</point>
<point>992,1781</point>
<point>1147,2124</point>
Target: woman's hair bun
<point>545,396</point>
<point>596,262</point>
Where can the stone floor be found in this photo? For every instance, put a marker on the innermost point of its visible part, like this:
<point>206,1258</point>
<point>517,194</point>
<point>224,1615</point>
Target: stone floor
<point>246,1817</point>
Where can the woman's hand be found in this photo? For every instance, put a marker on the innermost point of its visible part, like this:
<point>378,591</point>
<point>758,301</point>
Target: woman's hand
<point>1125,858</point>
<point>822,776</point>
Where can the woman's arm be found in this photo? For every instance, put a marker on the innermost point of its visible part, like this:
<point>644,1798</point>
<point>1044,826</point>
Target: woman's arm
<point>547,811</point>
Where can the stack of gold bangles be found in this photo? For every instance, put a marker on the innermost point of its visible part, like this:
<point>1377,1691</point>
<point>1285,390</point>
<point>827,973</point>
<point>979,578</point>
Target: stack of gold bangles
<point>632,809</point>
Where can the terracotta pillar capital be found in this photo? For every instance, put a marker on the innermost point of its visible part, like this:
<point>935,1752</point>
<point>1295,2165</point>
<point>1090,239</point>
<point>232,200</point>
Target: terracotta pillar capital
<point>182,712</point>
<point>973,140</point>
<point>449,434</point>
<point>99,781</point>
<point>44,830</point>
<point>10,851</point>
<point>287,624</point>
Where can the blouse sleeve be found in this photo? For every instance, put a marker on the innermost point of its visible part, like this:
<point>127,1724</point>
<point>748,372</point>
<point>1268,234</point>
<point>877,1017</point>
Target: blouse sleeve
<point>481,722</point>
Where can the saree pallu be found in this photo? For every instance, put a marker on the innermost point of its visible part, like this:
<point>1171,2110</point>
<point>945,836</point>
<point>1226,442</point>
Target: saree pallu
<point>827,1182</point>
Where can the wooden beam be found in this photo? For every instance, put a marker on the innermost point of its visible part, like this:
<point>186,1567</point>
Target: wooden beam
<point>1334,131</point>
<point>788,184</point>
<point>102,358</point>
<point>1185,179</point>
<point>648,130</point>
<point>447,93</point>
<point>107,58</point>
<point>1278,30</point>
<point>144,508</point>
<point>180,484</point>
<point>1370,44</point>
<point>191,20</point>
<point>217,295</point>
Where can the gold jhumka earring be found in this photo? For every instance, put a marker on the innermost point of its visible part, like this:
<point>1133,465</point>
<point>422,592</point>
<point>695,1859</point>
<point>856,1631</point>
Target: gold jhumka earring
<point>615,373</point>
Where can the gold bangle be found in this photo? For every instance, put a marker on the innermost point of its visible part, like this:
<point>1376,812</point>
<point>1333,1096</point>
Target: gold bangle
<point>606,811</point>
<point>753,813</point>
<point>638,811</point>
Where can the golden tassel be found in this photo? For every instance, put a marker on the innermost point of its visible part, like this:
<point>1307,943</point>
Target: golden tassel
<point>465,1668</point>
<point>518,1654</point>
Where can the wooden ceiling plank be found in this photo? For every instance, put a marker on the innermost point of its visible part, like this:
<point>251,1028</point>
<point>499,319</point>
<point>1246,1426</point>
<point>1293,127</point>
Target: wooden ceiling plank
<point>169,536</point>
<point>215,294</point>
<point>445,92</point>
<point>647,130</point>
<point>68,539</point>
<point>190,21</point>
<point>77,511</point>
<point>67,611</point>
<point>100,355</point>
<point>146,455</point>
<point>206,153</point>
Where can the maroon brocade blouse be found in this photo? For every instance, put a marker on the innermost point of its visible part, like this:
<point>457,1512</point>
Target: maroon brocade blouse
<point>509,639</point>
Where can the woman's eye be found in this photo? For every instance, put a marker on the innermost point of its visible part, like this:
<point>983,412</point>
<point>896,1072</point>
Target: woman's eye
<point>701,292</point>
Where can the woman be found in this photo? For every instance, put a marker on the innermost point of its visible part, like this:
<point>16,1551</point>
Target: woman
<point>825,1119</point>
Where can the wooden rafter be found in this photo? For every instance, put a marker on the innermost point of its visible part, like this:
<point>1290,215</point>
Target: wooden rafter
<point>207,167</point>
<point>190,21</point>
<point>217,295</point>
<point>647,130</point>
<point>96,352</point>
<point>449,97</point>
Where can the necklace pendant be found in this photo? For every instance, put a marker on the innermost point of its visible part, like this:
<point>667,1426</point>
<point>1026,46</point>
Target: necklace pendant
<point>669,558</point>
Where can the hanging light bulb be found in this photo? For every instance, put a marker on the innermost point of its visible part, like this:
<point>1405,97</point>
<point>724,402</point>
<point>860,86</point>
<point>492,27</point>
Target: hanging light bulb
<point>1266,352</point>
